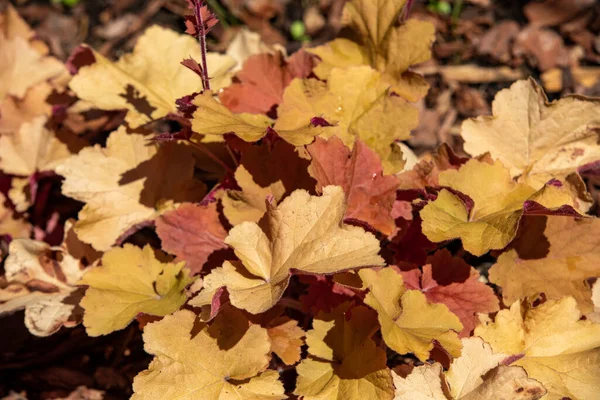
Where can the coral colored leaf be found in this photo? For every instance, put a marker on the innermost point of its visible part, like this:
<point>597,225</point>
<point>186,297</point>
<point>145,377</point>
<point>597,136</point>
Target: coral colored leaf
<point>263,80</point>
<point>191,232</point>
<point>570,258</point>
<point>535,139</point>
<point>358,104</point>
<point>39,279</point>
<point>476,375</point>
<point>22,66</point>
<point>465,298</point>
<point>130,281</point>
<point>409,324</point>
<point>304,233</point>
<point>148,81</point>
<point>498,202</point>
<point>553,345</point>
<point>347,364</point>
<point>206,362</point>
<point>370,195</point>
<point>126,183</point>
<point>286,338</point>
<point>33,148</point>
<point>384,45</point>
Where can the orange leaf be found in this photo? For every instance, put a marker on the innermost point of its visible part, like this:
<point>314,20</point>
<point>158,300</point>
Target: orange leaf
<point>370,194</point>
<point>191,232</point>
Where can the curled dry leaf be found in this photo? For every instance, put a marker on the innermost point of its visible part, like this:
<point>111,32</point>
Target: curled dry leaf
<point>535,139</point>
<point>304,233</point>
<point>131,281</point>
<point>41,279</point>
<point>191,232</point>
<point>491,220</point>
<point>137,81</point>
<point>206,365</point>
<point>409,324</point>
<point>553,345</point>
<point>346,363</point>
<point>370,195</point>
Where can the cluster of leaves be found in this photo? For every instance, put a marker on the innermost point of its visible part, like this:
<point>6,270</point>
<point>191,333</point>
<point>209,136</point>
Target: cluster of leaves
<point>299,254</point>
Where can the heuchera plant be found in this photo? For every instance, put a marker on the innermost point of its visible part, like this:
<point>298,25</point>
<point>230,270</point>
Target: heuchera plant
<point>299,254</point>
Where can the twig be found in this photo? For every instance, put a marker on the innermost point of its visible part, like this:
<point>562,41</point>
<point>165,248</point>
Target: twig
<point>202,39</point>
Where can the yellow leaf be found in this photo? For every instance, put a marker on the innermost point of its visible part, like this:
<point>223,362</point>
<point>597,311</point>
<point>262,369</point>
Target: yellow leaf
<point>131,281</point>
<point>38,279</point>
<point>475,375</point>
<point>535,139</point>
<point>389,48</point>
<point>497,206</point>
<point>559,350</point>
<point>347,365</point>
<point>305,233</point>
<point>249,203</point>
<point>423,383</point>
<point>34,148</point>
<point>358,103</point>
<point>148,81</point>
<point>571,260</point>
<point>409,324</point>
<point>214,118</point>
<point>201,367</point>
<point>95,176</point>
<point>22,67</point>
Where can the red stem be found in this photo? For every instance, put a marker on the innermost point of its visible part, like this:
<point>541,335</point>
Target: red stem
<point>202,39</point>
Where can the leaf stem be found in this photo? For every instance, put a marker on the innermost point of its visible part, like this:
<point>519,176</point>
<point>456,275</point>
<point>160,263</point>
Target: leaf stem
<point>202,39</point>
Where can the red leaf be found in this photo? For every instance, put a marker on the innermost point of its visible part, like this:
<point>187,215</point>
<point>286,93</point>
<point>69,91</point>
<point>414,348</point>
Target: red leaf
<point>464,299</point>
<point>192,233</point>
<point>369,194</point>
<point>262,81</point>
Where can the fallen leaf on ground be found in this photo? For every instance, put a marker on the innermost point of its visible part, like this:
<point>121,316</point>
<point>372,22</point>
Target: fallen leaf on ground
<point>370,195</point>
<point>409,324</point>
<point>137,81</point>
<point>191,232</point>
<point>202,366</point>
<point>130,281</point>
<point>535,139</point>
<point>557,348</point>
<point>304,233</point>
<point>41,279</point>
<point>11,224</point>
<point>346,364</point>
